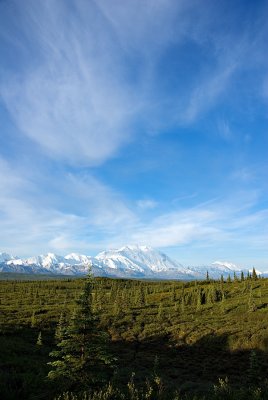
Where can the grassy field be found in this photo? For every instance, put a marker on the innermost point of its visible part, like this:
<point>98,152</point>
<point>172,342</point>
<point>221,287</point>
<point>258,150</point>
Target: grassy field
<point>187,334</point>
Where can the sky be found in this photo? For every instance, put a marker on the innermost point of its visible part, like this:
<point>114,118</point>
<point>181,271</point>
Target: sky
<point>135,122</point>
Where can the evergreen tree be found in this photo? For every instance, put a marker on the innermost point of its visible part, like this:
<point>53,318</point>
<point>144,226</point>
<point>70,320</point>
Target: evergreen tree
<point>160,312</point>
<point>141,300</point>
<point>116,310</point>
<point>214,295</point>
<point>199,299</point>
<point>173,293</point>
<point>33,320</point>
<point>207,277</point>
<point>61,328</point>
<point>81,357</point>
<point>39,339</point>
<point>254,274</point>
<point>251,302</point>
<point>242,278</point>
<point>182,304</point>
<point>223,301</point>
<point>254,368</point>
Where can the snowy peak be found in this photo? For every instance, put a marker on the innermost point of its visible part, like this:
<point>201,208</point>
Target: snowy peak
<point>78,258</point>
<point>6,257</point>
<point>49,263</point>
<point>130,261</point>
<point>138,258</point>
<point>45,260</point>
<point>227,265</point>
<point>218,269</point>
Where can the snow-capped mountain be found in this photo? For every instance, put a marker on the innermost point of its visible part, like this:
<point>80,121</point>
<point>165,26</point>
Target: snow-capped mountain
<point>72,264</point>
<point>139,261</point>
<point>6,257</point>
<point>216,269</point>
<point>128,262</point>
<point>221,268</point>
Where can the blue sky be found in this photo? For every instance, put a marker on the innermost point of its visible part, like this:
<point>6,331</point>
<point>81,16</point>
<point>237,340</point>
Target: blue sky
<point>135,122</point>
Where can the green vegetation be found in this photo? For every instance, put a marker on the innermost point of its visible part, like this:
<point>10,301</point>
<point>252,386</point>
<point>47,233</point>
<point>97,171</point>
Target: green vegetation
<point>81,359</point>
<point>171,340</point>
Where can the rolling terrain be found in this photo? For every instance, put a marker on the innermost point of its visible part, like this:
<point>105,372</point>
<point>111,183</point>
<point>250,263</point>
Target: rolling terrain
<point>189,334</point>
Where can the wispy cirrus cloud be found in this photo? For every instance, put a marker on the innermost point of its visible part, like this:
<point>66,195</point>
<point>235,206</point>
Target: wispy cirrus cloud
<point>65,212</point>
<point>206,94</point>
<point>73,102</point>
<point>90,72</point>
<point>88,79</point>
<point>232,225</point>
<point>87,216</point>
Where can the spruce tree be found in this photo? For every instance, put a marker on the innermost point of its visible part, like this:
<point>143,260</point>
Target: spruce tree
<point>140,299</point>
<point>254,274</point>
<point>33,320</point>
<point>251,302</point>
<point>199,299</point>
<point>182,304</point>
<point>173,293</point>
<point>81,357</point>
<point>223,301</point>
<point>160,312</point>
<point>61,328</point>
<point>39,339</point>
<point>254,368</point>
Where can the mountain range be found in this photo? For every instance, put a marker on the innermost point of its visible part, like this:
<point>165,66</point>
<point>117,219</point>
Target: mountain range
<point>126,262</point>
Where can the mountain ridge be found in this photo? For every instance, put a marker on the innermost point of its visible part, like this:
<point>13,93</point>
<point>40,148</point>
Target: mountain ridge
<point>131,261</point>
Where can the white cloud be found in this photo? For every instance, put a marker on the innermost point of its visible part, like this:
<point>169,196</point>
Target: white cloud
<point>86,216</point>
<point>146,204</point>
<point>231,224</point>
<point>224,130</point>
<point>76,99</point>
<point>64,212</point>
<point>74,102</point>
<point>101,205</point>
<point>88,83</point>
<point>146,27</point>
<point>205,95</point>
<point>175,228</point>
